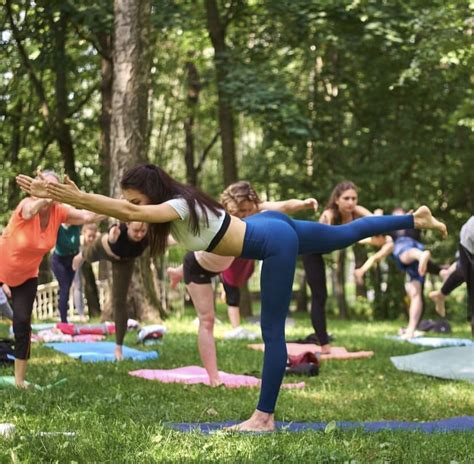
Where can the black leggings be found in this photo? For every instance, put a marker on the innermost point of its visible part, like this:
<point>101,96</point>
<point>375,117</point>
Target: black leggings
<point>23,297</point>
<point>122,271</point>
<point>454,280</point>
<point>316,278</point>
<point>467,267</point>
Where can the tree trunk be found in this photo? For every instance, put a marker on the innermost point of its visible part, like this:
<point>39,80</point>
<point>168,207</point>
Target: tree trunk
<point>302,294</point>
<point>360,256</point>
<point>339,284</point>
<point>62,128</point>
<point>129,124</point>
<point>245,302</point>
<point>226,119</point>
<point>194,87</point>
<point>107,73</point>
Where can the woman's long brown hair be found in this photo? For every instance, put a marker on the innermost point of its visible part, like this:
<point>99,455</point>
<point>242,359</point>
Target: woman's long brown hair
<point>159,187</point>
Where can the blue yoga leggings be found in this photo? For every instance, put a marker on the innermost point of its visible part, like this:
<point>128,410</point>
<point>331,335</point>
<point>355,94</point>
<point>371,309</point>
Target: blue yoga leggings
<point>277,240</point>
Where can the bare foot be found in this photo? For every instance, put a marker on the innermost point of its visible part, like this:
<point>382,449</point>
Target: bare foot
<point>175,276</point>
<point>215,382</point>
<point>439,300</point>
<point>444,274</point>
<point>408,335</point>
<point>23,385</point>
<point>423,219</point>
<point>326,349</point>
<point>258,422</point>
<point>118,353</point>
<point>423,262</point>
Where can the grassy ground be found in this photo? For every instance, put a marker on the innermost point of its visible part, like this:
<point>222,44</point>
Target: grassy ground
<point>119,418</point>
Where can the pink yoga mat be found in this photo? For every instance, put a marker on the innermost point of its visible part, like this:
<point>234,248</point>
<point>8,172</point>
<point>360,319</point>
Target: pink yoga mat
<point>337,352</point>
<point>196,374</point>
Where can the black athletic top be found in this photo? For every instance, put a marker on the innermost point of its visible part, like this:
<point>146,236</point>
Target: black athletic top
<point>126,248</point>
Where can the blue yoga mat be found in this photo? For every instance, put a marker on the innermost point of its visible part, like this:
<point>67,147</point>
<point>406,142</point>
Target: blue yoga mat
<point>455,363</point>
<point>455,424</point>
<point>435,342</point>
<point>100,351</point>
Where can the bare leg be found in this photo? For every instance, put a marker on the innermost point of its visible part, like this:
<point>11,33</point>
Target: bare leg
<point>259,422</point>
<point>439,301</point>
<point>175,274</point>
<point>414,254</point>
<point>423,219</point>
<point>414,290</point>
<point>20,373</point>
<point>234,316</point>
<point>203,299</point>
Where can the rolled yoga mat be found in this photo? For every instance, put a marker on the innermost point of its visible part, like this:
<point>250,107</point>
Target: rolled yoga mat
<point>100,351</point>
<point>454,424</point>
<point>455,363</point>
<point>337,352</point>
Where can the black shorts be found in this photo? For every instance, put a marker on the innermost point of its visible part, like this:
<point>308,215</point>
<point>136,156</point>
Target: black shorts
<point>232,294</point>
<point>193,272</point>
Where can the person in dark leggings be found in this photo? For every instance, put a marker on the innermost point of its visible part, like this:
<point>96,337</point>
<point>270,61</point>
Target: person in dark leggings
<point>198,222</point>
<point>30,234</point>
<point>121,245</point>
<point>341,208</point>
<point>67,246</point>
<point>463,272</point>
<point>454,277</point>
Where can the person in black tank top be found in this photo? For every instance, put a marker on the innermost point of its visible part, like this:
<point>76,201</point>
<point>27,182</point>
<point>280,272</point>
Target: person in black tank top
<point>121,245</point>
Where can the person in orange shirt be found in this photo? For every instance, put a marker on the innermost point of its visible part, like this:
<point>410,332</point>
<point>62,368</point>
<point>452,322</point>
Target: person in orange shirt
<point>30,234</point>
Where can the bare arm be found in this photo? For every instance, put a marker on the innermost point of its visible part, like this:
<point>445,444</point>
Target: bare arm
<point>69,193</point>
<point>78,217</point>
<point>386,250</point>
<point>289,206</point>
<point>360,211</point>
<point>32,206</point>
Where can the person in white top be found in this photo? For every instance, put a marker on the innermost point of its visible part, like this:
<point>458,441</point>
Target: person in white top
<point>199,222</point>
<point>199,267</point>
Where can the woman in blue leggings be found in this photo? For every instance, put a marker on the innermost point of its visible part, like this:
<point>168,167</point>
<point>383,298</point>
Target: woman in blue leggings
<point>198,222</point>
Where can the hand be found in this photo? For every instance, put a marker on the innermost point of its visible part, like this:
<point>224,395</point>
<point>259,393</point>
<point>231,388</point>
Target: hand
<point>114,233</point>
<point>311,203</point>
<point>378,212</point>
<point>33,187</point>
<point>6,290</point>
<point>77,261</point>
<point>67,192</point>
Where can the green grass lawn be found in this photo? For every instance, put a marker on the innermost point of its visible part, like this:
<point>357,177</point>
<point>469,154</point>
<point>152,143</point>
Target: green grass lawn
<point>119,418</point>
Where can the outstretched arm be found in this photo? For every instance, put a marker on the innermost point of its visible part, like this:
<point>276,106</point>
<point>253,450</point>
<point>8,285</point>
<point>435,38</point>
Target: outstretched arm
<point>289,206</point>
<point>69,193</point>
<point>386,250</point>
<point>32,206</point>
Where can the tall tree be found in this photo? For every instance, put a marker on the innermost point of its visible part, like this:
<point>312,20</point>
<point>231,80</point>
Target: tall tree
<point>217,27</point>
<point>129,123</point>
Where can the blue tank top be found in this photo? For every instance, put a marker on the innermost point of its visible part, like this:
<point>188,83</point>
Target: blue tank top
<point>68,241</point>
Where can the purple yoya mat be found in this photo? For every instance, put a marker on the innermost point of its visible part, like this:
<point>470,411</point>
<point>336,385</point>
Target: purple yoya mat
<point>454,424</point>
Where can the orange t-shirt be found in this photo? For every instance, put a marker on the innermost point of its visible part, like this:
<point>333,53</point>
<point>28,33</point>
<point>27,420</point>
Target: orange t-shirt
<point>23,244</point>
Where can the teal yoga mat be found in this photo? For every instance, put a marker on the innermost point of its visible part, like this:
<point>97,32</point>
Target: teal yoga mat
<point>100,351</point>
<point>456,363</point>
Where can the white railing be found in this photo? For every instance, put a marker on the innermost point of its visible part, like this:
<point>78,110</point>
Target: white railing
<point>47,296</point>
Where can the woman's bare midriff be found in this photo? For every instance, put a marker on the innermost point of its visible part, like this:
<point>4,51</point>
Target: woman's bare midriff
<point>232,242</point>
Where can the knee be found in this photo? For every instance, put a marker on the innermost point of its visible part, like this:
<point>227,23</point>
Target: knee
<point>207,321</point>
